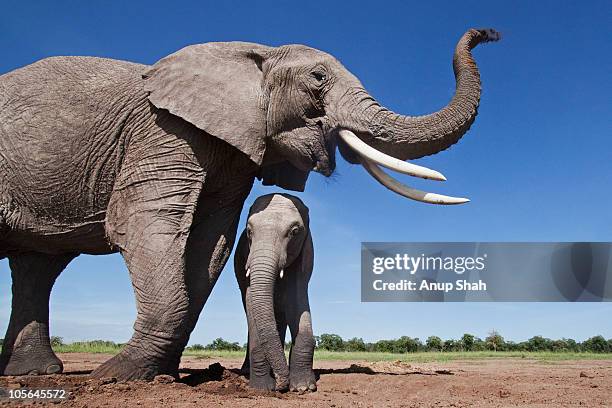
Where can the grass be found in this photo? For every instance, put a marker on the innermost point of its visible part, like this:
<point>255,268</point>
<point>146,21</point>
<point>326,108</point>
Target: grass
<point>88,347</point>
<point>420,357</point>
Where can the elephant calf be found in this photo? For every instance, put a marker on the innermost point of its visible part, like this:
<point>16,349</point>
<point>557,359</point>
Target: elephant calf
<point>273,264</point>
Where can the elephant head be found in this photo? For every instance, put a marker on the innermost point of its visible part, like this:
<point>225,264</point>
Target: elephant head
<point>288,108</point>
<point>279,243</point>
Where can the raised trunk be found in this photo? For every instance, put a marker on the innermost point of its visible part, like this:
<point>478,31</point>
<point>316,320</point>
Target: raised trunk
<point>263,274</point>
<point>411,137</point>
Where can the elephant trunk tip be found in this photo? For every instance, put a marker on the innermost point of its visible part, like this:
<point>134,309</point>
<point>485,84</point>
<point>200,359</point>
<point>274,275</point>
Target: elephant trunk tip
<point>488,35</point>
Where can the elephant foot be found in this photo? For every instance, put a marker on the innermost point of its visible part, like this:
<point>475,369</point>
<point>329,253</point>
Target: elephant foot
<point>302,381</point>
<point>268,383</point>
<point>282,385</point>
<point>124,367</point>
<point>262,383</point>
<point>30,360</point>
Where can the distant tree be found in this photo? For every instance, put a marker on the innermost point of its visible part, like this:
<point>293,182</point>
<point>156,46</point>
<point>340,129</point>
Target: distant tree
<point>494,341</point>
<point>467,342</point>
<point>538,343</point>
<point>521,346</point>
<point>558,345</point>
<point>451,345</point>
<point>331,342</point>
<point>512,346</point>
<point>434,343</point>
<point>196,347</point>
<point>572,345</point>
<point>384,346</point>
<point>479,344</point>
<point>596,344</point>
<point>56,341</point>
<point>407,344</point>
<point>355,344</point>
<point>220,344</point>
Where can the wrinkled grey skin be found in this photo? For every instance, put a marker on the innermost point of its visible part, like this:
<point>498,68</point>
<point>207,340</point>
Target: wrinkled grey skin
<point>277,238</point>
<point>100,156</point>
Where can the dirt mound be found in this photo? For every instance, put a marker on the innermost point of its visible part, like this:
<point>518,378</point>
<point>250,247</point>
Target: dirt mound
<point>385,367</point>
<point>192,386</point>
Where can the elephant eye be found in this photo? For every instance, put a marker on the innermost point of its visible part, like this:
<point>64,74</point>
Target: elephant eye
<point>294,230</point>
<point>319,76</point>
<point>248,233</point>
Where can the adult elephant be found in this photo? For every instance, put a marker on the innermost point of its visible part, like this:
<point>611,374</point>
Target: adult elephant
<point>99,156</point>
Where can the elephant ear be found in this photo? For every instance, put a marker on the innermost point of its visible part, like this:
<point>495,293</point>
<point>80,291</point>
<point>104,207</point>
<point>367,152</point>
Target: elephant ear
<point>303,264</point>
<point>217,88</point>
<point>283,174</point>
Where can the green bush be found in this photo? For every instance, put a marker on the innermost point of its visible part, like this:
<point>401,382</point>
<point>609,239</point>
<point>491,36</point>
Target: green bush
<point>407,344</point>
<point>56,341</point>
<point>384,346</point>
<point>355,344</point>
<point>597,344</point>
<point>538,343</point>
<point>101,343</point>
<point>220,344</point>
<point>467,342</point>
<point>495,341</point>
<point>330,342</point>
<point>434,343</point>
<point>572,345</point>
<point>451,345</point>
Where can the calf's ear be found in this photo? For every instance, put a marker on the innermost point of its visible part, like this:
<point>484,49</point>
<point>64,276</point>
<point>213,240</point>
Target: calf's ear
<point>303,264</point>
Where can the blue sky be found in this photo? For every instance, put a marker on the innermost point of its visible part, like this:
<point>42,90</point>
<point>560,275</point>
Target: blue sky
<point>536,164</point>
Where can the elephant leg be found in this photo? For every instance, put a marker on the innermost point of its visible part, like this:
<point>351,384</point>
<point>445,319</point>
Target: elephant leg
<point>211,241</point>
<point>280,311</point>
<point>246,365</point>
<point>301,375</point>
<point>150,222</point>
<point>155,257</point>
<point>240,257</point>
<point>245,368</point>
<point>27,349</point>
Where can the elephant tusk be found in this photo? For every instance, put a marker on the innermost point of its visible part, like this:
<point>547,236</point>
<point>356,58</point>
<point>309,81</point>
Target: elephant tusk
<point>390,162</point>
<point>248,272</point>
<point>281,273</point>
<point>406,191</point>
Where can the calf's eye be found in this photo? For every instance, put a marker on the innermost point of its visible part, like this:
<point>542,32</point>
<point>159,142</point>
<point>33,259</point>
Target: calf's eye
<point>293,231</point>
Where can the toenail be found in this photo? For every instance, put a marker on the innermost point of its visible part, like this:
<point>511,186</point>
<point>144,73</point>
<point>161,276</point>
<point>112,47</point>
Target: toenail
<point>54,369</point>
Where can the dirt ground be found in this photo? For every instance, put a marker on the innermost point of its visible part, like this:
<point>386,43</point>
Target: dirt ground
<point>216,382</point>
